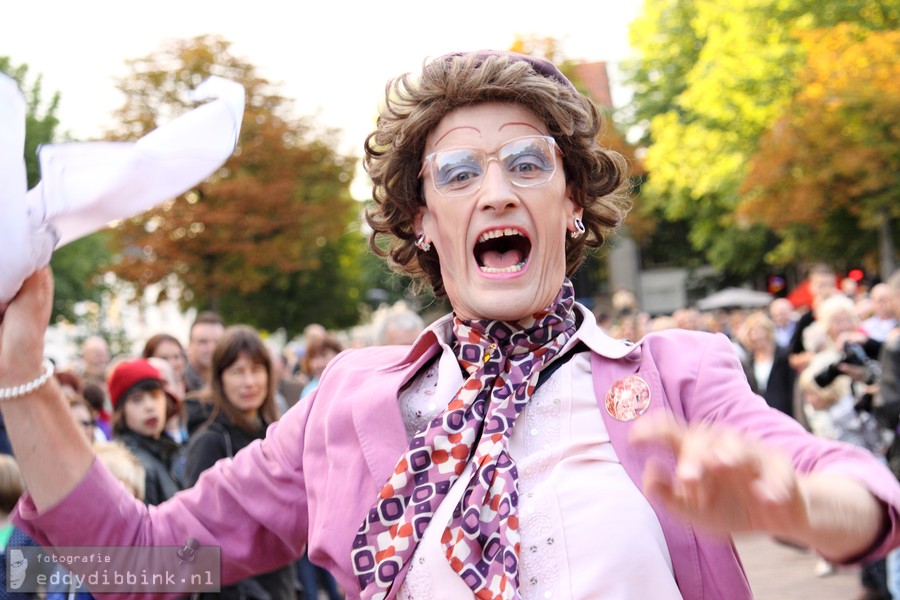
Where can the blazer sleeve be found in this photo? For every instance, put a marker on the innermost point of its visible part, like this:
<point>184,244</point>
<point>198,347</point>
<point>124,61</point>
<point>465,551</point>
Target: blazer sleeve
<point>254,507</point>
<point>705,375</point>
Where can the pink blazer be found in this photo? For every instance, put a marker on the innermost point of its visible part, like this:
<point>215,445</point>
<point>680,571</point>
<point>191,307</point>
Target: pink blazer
<point>314,477</point>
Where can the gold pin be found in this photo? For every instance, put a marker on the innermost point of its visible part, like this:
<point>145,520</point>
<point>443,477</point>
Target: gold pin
<point>490,350</point>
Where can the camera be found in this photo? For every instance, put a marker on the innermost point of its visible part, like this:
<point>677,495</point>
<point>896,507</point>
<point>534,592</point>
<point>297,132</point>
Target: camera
<point>853,354</point>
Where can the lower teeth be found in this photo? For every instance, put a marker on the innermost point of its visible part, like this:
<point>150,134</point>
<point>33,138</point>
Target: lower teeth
<point>512,269</point>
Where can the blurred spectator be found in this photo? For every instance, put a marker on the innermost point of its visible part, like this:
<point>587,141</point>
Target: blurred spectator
<point>319,353</point>
<point>781,311</point>
<point>83,417</point>
<point>137,391</point>
<point>888,407</point>
<point>287,389</point>
<point>205,331</point>
<point>96,397</point>
<point>850,288</point>
<point>660,323</point>
<point>715,321</point>
<point>604,318</point>
<point>687,318</point>
<point>837,405</point>
<point>86,416</point>
<point>624,303</point>
<point>176,414</point>
<point>832,413</point>
<point>168,348</point>
<point>822,285</point>
<point>242,387</point>
<point>313,332</point>
<point>628,327</point>
<point>94,359</point>
<point>884,315</point>
<point>400,325</point>
<point>766,363</point>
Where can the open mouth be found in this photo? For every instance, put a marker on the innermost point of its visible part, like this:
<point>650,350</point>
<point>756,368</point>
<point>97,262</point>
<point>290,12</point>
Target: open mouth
<point>502,251</point>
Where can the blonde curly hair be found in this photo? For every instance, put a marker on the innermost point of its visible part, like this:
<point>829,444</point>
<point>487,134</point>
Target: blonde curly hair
<point>414,106</point>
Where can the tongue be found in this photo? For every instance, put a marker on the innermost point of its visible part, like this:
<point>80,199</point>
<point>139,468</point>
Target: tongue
<point>501,260</point>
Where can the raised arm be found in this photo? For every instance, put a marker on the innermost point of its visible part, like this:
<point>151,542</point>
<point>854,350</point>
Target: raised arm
<point>52,454</point>
<point>258,500</point>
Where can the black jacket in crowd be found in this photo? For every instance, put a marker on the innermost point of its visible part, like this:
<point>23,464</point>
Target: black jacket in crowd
<point>160,460</point>
<point>222,439</point>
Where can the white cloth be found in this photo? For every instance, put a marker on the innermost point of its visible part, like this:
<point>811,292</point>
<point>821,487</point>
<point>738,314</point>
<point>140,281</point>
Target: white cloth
<point>84,186</point>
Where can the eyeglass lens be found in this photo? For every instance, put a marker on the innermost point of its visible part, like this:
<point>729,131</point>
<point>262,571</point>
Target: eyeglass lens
<point>527,162</point>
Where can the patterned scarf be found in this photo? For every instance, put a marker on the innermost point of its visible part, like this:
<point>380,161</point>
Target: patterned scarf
<point>503,361</point>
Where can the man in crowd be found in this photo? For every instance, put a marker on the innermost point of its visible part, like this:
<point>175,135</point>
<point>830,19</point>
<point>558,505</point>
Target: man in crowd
<point>822,285</point>
<point>206,330</point>
<point>781,311</point>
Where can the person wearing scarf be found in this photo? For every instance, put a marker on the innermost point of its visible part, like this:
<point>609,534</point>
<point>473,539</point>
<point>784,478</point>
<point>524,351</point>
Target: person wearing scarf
<point>514,450</point>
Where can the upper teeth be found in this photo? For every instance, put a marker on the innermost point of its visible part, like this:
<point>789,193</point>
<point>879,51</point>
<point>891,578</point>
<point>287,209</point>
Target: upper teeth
<point>495,233</point>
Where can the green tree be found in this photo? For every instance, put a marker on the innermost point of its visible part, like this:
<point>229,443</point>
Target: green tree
<point>245,241</point>
<point>76,267</point>
<point>832,159</point>
<point>710,78</point>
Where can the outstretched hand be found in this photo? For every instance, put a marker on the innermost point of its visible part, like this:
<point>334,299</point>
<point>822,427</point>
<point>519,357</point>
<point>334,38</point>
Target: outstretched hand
<point>23,323</point>
<point>723,481</point>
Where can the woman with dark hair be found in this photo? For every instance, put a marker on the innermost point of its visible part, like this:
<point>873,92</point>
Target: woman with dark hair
<point>167,347</point>
<point>243,396</point>
<point>319,353</point>
<point>515,450</point>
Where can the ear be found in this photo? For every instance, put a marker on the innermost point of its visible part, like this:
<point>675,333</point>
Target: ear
<point>419,221</point>
<point>573,210</point>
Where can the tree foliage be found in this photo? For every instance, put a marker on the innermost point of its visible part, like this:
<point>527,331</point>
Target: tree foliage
<point>836,150</point>
<point>710,78</point>
<point>248,240</point>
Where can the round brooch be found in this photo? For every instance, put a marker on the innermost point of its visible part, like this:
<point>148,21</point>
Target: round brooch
<point>628,398</point>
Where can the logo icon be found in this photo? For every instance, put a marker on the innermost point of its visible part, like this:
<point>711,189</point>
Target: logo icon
<point>18,568</point>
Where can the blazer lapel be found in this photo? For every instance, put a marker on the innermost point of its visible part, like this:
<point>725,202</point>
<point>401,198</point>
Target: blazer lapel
<point>377,419</point>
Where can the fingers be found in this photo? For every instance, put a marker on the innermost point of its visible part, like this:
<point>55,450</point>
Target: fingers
<point>722,480</point>
<point>24,320</point>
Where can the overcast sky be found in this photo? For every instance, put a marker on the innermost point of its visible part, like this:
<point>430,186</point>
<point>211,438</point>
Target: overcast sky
<point>331,58</point>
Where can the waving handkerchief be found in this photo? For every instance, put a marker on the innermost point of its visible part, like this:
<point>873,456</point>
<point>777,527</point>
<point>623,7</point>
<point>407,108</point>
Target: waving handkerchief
<point>84,186</point>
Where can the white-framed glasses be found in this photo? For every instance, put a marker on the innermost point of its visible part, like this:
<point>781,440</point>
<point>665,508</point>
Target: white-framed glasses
<point>526,162</point>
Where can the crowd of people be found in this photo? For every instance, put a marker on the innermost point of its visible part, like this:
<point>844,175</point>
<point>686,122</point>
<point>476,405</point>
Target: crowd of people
<point>513,450</point>
<point>831,364</point>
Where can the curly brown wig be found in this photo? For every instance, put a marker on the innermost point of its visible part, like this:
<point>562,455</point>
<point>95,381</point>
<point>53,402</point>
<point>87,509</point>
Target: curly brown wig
<point>414,106</point>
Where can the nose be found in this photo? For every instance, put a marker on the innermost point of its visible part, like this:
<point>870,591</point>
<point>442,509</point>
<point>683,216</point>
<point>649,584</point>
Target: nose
<point>497,192</point>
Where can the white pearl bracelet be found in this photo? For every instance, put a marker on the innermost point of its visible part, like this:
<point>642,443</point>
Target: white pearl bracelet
<point>18,391</point>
